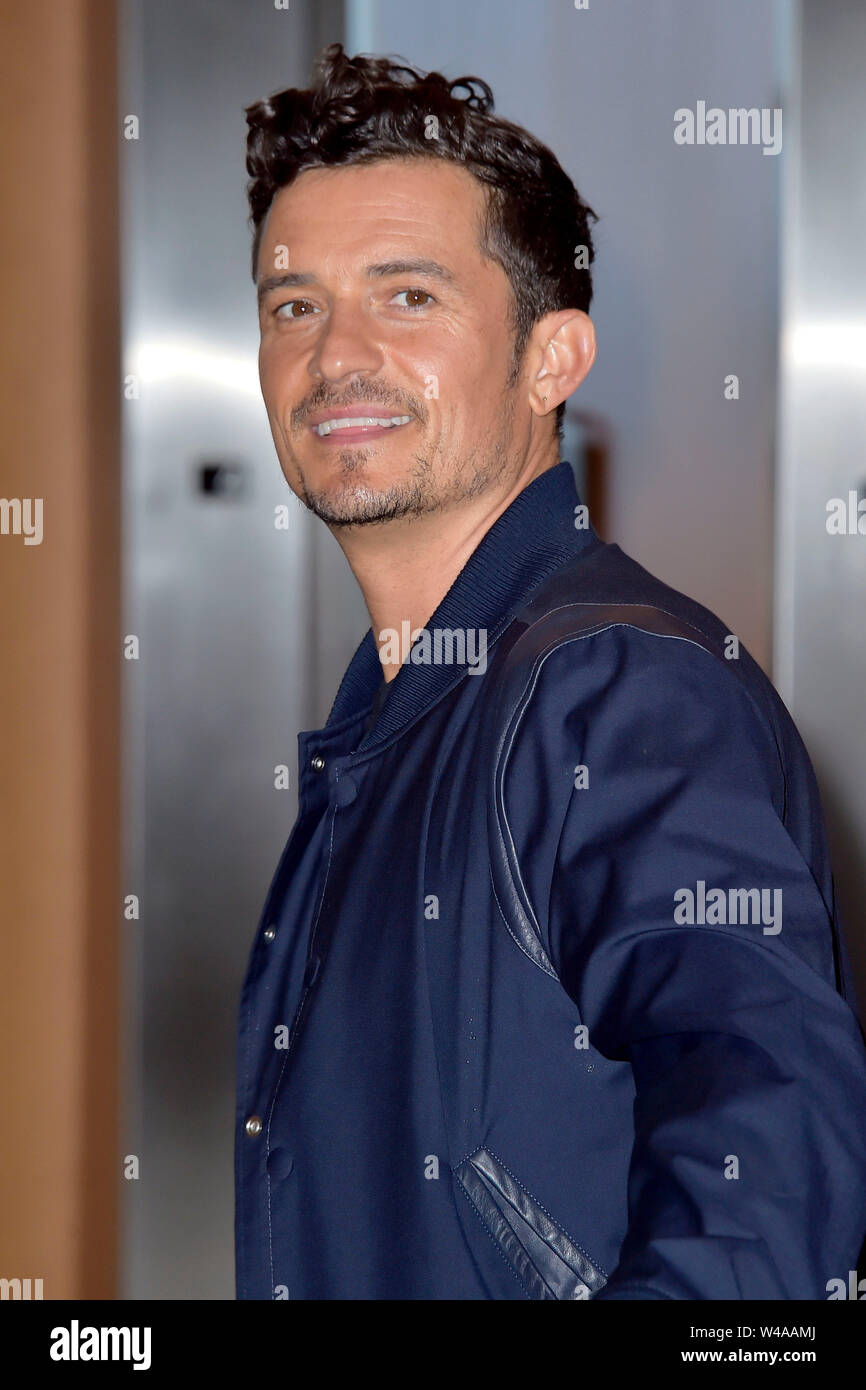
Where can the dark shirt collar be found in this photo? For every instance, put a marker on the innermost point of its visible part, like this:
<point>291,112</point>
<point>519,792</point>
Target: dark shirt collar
<point>532,538</point>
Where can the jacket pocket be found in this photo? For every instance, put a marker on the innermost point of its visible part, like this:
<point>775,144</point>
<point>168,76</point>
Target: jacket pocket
<point>541,1254</point>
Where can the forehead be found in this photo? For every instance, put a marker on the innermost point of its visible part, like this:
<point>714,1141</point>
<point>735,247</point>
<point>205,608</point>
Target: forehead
<point>347,215</point>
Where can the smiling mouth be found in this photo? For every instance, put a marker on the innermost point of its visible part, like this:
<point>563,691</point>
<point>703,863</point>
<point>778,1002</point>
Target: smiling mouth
<point>359,426</point>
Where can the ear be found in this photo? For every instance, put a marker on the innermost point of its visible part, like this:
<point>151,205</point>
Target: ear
<point>560,352</point>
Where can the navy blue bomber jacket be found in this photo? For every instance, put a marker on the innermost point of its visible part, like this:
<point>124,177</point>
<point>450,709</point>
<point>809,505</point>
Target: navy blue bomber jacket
<point>549,997</point>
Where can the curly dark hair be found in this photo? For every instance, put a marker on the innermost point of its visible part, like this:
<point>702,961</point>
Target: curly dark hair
<point>365,109</point>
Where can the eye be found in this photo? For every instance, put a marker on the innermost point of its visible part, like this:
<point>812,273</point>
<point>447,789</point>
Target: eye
<point>303,304</point>
<point>413,295</point>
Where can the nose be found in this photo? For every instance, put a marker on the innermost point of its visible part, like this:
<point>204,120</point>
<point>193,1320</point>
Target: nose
<point>346,344</point>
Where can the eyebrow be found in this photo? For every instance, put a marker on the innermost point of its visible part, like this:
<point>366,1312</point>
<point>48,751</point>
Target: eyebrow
<point>297,279</point>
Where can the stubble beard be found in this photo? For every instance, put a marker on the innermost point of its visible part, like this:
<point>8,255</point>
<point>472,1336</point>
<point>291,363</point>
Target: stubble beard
<point>423,492</point>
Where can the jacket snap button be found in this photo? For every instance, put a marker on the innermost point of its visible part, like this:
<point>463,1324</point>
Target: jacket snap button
<point>253,1126</point>
<point>269,933</point>
<point>317,763</point>
<point>280,1163</point>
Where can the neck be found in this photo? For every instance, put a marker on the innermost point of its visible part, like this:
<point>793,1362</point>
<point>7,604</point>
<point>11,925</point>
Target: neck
<point>405,567</point>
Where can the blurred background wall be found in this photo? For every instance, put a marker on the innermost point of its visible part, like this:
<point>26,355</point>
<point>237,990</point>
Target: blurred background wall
<point>166,642</point>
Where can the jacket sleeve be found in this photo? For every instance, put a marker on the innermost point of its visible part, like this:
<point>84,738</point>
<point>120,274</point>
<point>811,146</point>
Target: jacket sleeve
<point>748,1170</point>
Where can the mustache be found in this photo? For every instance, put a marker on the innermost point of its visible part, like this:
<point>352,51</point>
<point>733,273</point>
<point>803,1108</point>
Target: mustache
<point>321,400</point>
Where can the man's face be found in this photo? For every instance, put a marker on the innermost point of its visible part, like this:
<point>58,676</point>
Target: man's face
<point>376,302</point>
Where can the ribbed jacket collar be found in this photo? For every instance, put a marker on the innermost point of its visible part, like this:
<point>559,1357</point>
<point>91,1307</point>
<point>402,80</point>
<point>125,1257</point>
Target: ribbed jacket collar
<point>532,538</point>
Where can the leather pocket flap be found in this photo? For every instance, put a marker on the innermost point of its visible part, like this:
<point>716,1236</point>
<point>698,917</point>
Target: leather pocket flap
<point>548,1261</point>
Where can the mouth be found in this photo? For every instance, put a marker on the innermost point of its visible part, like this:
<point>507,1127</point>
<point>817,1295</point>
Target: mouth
<point>346,429</point>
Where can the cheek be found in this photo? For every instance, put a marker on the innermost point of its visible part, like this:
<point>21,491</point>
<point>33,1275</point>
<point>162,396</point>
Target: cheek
<point>470,372</point>
<point>435,361</point>
<point>469,402</point>
<point>275,375</point>
<point>266,369</point>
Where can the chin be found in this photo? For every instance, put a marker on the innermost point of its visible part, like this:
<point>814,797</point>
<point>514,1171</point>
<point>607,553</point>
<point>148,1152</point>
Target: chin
<point>349,505</point>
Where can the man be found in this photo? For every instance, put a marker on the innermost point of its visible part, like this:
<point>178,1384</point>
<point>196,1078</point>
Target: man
<point>549,998</point>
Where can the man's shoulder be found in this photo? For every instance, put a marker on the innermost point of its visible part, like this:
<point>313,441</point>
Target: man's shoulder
<point>603,590</point>
<point>602,624</point>
<point>605,587</point>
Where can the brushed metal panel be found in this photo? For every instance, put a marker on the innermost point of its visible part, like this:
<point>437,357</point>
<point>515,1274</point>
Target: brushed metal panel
<point>820,638</point>
<point>228,611</point>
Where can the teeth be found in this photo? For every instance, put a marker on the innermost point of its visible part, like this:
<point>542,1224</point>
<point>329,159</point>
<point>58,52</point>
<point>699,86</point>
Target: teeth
<point>356,422</point>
